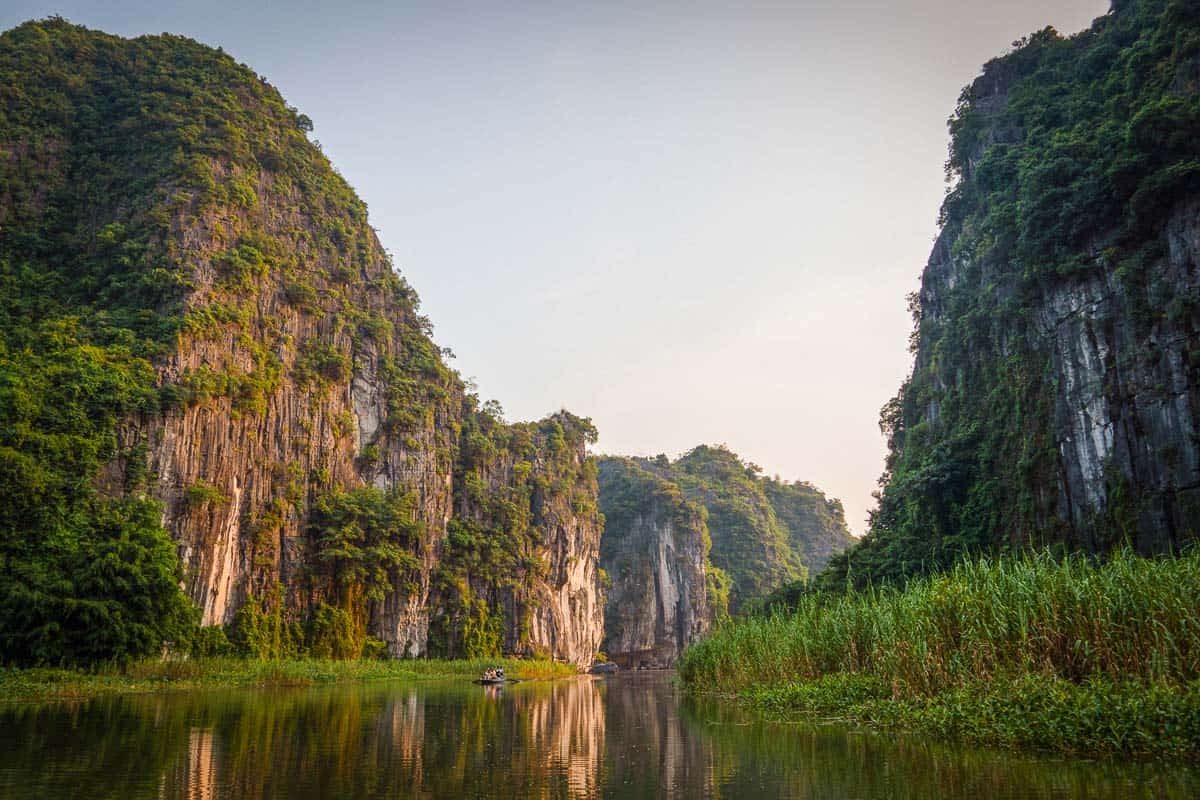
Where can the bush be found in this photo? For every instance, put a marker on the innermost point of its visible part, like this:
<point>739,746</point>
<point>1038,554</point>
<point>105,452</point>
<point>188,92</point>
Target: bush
<point>321,364</point>
<point>202,493</point>
<point>333,633</point>
<point>111,594</point>
<point>260,631</point>
<point>210,641</point>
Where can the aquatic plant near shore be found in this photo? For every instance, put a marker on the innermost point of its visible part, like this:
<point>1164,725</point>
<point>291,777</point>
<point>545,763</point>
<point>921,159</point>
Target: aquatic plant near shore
<point>152,675</point>
<point>1025,651</point>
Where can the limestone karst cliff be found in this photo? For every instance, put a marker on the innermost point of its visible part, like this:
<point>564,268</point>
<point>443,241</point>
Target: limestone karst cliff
<point>655,553</point>
<point>688,541</point>
<point>520,574</point>
<point>1056,387</point>
<point>168,225</point>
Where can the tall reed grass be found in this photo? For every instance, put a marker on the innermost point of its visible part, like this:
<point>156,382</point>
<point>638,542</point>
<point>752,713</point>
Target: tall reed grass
<point>988,635</point>
<point>1129,619</point>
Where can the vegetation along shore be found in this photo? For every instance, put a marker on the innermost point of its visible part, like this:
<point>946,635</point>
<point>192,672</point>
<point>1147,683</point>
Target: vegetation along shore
<point>1030,651</point>
<point>223,672</point>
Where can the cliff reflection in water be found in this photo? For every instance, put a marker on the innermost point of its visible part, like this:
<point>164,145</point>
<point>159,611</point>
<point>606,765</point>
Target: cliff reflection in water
<point>631,736</point>
<point>538,741</point>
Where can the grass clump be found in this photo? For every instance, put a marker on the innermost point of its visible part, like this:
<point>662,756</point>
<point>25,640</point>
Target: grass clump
<point>151,675</point>
<point>1028,651</point>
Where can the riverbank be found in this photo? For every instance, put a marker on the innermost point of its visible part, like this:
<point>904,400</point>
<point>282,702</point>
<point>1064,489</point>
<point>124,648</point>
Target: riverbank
<point>157,675</point>
<point>1028,652</point>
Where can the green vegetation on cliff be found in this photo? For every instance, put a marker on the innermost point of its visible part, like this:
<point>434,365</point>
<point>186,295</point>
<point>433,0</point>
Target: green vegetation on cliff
<point>518,482</point>
<point>1022,651</point>
<point>1068,156</point>
<point>761,532</point>
<point>83,304</point>
<point>109,148</point>
<point>205,351</point>
<point>749,543</point>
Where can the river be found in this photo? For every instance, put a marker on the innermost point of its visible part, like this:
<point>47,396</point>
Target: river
<point>629,736</point>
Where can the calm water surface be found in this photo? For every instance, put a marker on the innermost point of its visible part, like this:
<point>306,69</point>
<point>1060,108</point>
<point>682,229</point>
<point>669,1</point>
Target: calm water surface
<point>623,737</point>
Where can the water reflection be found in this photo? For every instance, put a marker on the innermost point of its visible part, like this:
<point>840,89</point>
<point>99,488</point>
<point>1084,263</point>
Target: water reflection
<point>632,736</point>
<point>196,772</point>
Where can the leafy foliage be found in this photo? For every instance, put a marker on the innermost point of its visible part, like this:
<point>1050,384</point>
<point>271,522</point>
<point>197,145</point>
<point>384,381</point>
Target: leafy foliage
<point>106,589</point>
<point>83,578</point>
<point>516,485</point>
<point>260,631</point>
<point>361,537</point>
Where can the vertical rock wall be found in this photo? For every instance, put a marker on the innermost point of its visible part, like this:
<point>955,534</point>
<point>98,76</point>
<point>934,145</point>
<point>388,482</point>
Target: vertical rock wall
<point>522,567</point>
<point>655,554</point>
<point>1115,351</point>
<point>656,604</point>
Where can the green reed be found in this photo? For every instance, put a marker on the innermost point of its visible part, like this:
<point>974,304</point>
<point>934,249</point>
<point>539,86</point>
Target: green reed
<point>966,652</point>
<point>152,675</point>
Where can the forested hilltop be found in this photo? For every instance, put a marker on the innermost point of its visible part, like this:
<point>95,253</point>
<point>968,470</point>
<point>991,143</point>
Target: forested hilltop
<point>1056,387</point>
<point>687,542</point>
<point>210,373</point>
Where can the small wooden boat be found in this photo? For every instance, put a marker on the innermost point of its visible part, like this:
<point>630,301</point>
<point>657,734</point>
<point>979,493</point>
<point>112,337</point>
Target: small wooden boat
<point>494,677</point>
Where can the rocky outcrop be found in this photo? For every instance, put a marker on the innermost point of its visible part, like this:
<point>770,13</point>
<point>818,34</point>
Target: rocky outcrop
<point>687,541</point>
<point>522,569</point>
<point>268,454</point>
<point>212,240</point>
<point>377,409</point>
<point>1055,394</point>
<point>1115,348</point>
<point>657,597</point>
<point>655,554</point>
<point>1128,396</point>
<point>1122,385</point>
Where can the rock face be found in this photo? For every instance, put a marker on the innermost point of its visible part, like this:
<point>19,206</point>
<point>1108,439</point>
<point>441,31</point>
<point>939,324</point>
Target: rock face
<point>1128,396</point>
<point>655,553</point>
<point>290,362</point>
<point>1056,387</point>
<point>522,569</point>
<point>689,540</point>
<point>1123,387</point>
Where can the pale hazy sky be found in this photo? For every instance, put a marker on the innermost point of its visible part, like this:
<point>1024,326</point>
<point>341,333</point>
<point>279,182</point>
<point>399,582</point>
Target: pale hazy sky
<point>692,222</point>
